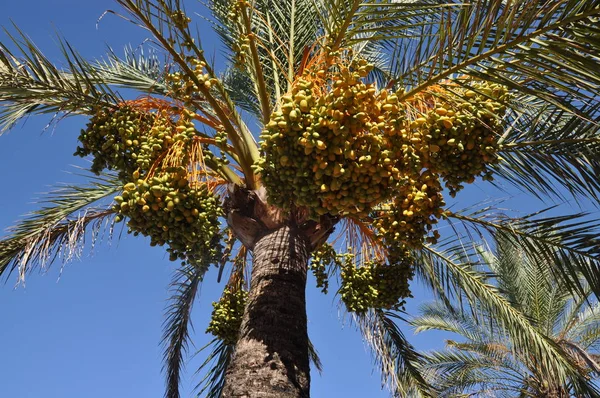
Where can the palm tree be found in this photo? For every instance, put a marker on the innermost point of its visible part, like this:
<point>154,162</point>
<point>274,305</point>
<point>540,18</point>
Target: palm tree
<point>366,110</point>
<point>485,361</point>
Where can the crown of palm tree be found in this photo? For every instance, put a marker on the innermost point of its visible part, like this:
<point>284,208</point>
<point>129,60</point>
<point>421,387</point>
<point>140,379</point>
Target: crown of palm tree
<point>485,360</point>
<point>544,53</point>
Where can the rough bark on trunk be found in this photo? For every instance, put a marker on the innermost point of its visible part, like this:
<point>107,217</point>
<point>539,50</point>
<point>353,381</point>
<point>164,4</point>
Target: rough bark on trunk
<point>271,355</point>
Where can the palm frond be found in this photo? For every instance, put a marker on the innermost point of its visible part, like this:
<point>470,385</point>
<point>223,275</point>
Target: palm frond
<point>536,286</point>
<point>352,22</point>
<point>547,151</point>
<point>434,275</point>
<point>136,70</point>
<point>437,316</point>
<point>586,326</point>
<point>396,357</point>
<point>488,354</point>
<point>506,265</point>
<point>177,324</point>
<point>456,372</point>
<point>215,366</point>
<point>495,349</point>
<point>544,49</point>
<point>480,294</point>
<point>284,30</point>
<point>313,356</point>
<point>31,84</point>
<point>530,285</point>
<point>568,317</point>
<point>569,241</point>
<point>58,228</point>
<point>240,88</point>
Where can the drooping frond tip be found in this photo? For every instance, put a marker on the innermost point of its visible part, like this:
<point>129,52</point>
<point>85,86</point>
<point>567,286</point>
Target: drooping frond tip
<point>59,229</point>
<point>177,325</point>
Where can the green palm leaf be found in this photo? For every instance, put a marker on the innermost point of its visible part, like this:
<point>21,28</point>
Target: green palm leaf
<point>585,326</point>
<point>283,30</point>
<point>569,241</point>
<point>529,47</point>
<point>438,316</point>
<point>547,150</point>
<point>455,371</point>
<point>396,357</point>
<point>137,71</point>
<point>215,366</point>
<point>177,324</point>
<point>515,321</point>
<point>58,228</point>
<point>33,85</point>
<point>478,292</point>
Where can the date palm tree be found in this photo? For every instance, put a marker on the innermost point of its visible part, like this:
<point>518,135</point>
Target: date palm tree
<point>484,361</point>
<point>365,110</point>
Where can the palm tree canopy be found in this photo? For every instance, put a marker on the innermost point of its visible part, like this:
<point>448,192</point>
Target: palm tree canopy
<point>366,111</point>
<point>484,359</point>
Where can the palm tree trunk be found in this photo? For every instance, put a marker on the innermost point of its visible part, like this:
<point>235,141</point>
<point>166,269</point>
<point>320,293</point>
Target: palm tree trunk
<point>271,355</point>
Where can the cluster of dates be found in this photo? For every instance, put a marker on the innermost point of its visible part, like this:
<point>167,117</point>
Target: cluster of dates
<point>159,198</point>
<point>337,145</point>
<point>226,317</point>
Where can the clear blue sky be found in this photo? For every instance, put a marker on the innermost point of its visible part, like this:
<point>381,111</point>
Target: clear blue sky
<point>95,331</point>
